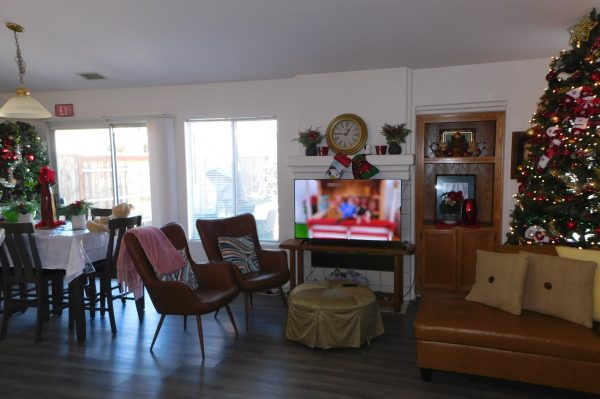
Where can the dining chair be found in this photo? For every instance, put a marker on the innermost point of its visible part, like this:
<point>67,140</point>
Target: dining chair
<point>21,265</point>
<point>216,284</point>
<point>96,212</point>
<point>105,270</point>
<point>274,270</point>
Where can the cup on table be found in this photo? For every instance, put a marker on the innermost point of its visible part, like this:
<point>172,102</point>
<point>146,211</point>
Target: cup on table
<point>380,149</point>
<point>323,150</point>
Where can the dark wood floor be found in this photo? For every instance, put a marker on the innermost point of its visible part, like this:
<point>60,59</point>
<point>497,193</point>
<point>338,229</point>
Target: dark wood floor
<point>260,363</point>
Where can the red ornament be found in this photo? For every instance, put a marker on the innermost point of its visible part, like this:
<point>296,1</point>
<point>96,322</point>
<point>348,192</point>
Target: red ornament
<point>597,230</point>
<point>30,157</point>
<point>571,224</point>
<point>595,76</point>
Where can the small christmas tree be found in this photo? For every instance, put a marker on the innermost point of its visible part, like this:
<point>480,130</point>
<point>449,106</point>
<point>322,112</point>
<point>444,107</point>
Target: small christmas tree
<point>558,200</point>
<point>22,154</point>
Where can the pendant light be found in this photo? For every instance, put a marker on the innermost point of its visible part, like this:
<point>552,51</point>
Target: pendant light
<point>22,106</point>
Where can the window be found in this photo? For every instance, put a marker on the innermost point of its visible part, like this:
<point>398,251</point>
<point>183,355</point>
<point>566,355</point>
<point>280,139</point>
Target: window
<point>105,166</point>
<point>234,170</point>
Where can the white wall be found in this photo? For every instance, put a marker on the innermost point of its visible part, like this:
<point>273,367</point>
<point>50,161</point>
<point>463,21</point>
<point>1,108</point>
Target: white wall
<point>378,96</point>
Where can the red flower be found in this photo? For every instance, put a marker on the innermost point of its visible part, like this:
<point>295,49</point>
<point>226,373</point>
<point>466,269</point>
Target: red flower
<point>46,175</point>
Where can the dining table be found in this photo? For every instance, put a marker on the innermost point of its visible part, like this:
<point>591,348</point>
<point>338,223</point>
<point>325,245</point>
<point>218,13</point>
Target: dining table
<point>73,251</point>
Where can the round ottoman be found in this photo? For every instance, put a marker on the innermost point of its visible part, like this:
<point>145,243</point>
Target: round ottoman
<point>326,314</point>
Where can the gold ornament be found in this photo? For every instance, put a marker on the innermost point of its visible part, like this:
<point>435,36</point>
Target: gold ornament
<point>589,58</point>
<point>580,32</point>
<point>531,131</point>
<point>554,119</point>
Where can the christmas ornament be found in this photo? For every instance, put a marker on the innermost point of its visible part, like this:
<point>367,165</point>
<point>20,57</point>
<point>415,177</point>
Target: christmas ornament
<point>571,224</point>
<point>589,58</point>
<point>536,234</point>
<point>580,32</point>
<point>30,157</point>
<point>554,119</point>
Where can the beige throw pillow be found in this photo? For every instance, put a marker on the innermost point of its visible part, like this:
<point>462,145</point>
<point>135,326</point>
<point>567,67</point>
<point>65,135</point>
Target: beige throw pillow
<point>560,287</point>
<point>499,280</point>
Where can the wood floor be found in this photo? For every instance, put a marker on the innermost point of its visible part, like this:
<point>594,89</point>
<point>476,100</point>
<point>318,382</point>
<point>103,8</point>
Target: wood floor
<point>260,363</point>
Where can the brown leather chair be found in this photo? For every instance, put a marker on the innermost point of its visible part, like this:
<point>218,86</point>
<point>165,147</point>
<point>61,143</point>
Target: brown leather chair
<point>216,281</point>
<point>274,268</point>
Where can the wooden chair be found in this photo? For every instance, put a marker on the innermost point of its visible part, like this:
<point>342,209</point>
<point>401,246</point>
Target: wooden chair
<point>274,268</point>
<point>217,284</point>
<point>106,270</point>
<point>21,266</point>
<point>96,212</point>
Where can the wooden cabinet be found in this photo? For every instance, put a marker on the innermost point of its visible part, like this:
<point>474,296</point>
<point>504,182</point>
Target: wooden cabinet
<point>445,254</point>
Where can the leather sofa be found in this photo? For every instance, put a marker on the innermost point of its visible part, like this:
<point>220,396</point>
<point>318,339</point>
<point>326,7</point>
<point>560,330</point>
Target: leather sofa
<point>466,337</point>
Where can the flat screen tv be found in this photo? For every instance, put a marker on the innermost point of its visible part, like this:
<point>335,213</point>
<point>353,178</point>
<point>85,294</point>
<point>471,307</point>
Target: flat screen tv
<point>361,210</point>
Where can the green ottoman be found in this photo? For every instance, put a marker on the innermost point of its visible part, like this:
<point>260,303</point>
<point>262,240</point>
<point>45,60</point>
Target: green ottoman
<point>326,314</point>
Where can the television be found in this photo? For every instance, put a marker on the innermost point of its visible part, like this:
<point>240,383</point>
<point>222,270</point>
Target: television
<point>347,210</point>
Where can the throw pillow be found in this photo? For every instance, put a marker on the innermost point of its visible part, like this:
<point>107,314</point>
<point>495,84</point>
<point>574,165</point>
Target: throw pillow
<point>589,255</point>
<point>499,280</point>
<point>240,252</point>
<point>560,287</point>
<point>185,275</point>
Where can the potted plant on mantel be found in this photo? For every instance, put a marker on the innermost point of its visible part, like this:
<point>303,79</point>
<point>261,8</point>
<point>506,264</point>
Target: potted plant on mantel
<point>309,138</point>
<point>78,212</point>
<point>394,136</point>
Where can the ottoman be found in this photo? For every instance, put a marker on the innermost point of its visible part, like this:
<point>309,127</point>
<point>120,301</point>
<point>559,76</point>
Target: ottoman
<point>327,314</point>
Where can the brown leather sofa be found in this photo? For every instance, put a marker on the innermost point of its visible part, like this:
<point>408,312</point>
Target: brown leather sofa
<point>460,336</point>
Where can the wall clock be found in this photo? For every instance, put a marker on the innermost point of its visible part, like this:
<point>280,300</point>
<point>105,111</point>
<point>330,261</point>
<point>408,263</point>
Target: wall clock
<point>347,134</point>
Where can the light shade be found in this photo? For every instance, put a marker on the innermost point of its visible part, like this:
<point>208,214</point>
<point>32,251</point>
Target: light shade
<point>23,106</point>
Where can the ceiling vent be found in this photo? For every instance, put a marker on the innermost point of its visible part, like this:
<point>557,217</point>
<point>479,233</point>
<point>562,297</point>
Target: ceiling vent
<point>92,76</point>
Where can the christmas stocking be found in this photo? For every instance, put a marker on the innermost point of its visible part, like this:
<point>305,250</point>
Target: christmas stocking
<point>361,168</point>
<point>336,169</point>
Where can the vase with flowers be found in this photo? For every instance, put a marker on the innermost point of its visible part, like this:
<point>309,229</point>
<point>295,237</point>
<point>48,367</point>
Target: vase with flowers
<point>20,211</point>
<point>394,136</point>
<point>46,178</point>
<point>309,138</point>
<point>78,212</point>
<point>451,206</point>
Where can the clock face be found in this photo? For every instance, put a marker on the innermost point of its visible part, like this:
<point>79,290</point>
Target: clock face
<point>346,134</point>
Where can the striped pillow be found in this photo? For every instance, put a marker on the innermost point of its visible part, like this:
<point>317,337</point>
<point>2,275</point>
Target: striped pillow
<point>240,252</point>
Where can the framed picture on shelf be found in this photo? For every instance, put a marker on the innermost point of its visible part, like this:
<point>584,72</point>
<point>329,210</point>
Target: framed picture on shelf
<point>446,135</point>
<point>456,141</point>
<point>447,183</point>
<point>518,152</point>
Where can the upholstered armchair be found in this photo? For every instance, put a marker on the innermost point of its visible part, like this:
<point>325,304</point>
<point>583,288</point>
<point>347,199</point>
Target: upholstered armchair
<point>273,263</point>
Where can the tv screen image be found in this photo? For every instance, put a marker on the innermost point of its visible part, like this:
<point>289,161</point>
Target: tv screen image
<point>347,209</point>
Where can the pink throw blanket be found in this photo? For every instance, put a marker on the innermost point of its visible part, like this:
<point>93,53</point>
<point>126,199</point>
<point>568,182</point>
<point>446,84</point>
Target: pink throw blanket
<point>161,253</point>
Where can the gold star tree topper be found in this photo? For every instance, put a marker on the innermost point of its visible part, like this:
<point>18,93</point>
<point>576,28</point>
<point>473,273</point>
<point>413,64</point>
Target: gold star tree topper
<point>580,32</point>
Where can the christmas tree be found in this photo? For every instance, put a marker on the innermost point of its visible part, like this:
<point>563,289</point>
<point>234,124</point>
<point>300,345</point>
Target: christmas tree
<point>558,200</point>
<point>22,154</point>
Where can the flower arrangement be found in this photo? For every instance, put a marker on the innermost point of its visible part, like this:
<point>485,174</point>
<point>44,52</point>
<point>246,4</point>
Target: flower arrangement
<point>80,207</point>
<point>13,210</point>
<point>451,202</point>
<point>46,175</point>
<point>395,134</point>
<point>309,136</point>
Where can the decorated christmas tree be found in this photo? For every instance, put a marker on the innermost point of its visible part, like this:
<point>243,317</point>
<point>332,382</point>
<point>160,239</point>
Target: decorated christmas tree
<point>558,200</point>
<point>22,154</point>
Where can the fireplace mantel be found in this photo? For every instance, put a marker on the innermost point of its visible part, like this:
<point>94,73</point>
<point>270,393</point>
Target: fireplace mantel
<point>394,166</point>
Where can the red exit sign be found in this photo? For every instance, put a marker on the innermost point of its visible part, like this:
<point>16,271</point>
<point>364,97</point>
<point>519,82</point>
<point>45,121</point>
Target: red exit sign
<point>64,110</point>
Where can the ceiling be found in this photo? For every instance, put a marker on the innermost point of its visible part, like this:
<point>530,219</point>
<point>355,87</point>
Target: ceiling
<point>137,43</point>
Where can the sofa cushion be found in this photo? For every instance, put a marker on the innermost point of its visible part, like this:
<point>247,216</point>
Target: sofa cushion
<point>589,255</point>
<point>453,320</point>
<point>499,280</point>
<point>560,287</point>
<point>240,251</point>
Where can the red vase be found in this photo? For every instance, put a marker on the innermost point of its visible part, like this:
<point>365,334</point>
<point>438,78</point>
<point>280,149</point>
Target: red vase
<point>469,212</point>
<point>47,207</point>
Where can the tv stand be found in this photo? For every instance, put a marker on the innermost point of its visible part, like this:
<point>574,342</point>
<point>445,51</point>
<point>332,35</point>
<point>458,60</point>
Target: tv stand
<point>298,246</point>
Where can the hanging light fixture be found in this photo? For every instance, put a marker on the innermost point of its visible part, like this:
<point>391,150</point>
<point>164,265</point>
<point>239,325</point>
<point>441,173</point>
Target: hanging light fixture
<point>22,106</point>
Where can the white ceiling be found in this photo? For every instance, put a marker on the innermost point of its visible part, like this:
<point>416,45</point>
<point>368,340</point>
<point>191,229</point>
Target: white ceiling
<point>136,43</point>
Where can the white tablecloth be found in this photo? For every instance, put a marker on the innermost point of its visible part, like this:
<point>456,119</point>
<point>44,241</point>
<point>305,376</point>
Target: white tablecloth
<point>67,249</point>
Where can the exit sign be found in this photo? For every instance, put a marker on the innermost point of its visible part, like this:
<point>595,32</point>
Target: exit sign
<point>64,110</point>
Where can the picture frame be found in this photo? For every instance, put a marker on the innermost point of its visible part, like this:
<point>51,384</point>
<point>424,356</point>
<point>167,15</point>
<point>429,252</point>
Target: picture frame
<point>518,152</point>
<point>467,133</point>
<point>447,183</point>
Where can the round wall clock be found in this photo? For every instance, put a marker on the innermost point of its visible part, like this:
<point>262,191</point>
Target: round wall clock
<point>346,134</point>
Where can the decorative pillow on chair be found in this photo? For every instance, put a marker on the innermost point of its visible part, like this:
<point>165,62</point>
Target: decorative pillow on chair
<point>560,287</point>
<point>185,275</point>
<point>499,280</point>
<point>589,255</point>
<point>240,252</point>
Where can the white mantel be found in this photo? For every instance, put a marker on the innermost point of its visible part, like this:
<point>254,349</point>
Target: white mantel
<point>390,166</point>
